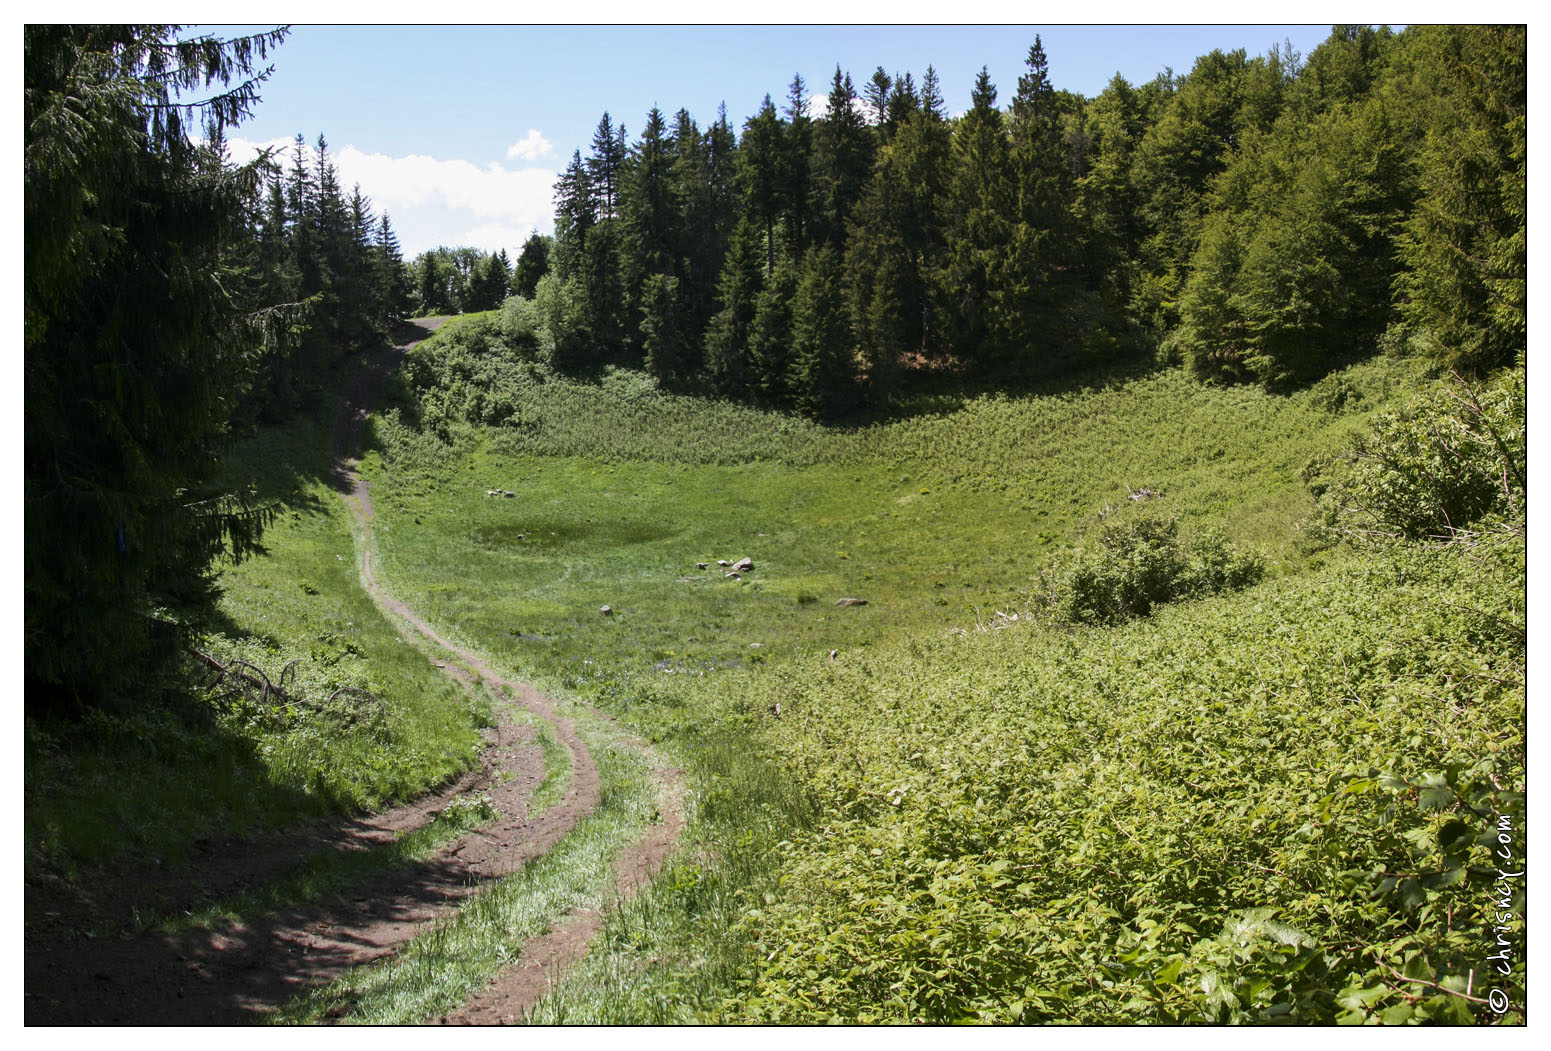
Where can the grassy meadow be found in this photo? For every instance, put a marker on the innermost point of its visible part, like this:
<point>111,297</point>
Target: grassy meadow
<point>1249,807</point>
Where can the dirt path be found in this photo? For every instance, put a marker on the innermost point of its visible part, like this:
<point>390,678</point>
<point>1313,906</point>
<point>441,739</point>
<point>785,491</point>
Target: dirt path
<point>544,958</point>
<point>240,972</point>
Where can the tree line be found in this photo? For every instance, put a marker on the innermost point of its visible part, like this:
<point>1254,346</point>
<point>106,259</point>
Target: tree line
<point>1259,219</point>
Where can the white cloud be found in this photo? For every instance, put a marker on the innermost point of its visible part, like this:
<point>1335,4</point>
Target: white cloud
<point>531,147</point>
<point>444,202</point>
<point>492,237</point>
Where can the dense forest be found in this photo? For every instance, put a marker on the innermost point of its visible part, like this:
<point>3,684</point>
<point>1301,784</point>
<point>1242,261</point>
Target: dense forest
<point>1261,219</point>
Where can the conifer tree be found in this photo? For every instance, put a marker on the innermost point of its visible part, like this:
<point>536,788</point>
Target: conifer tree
<point>666,338</point>
<point>1464,289</point>
<point>649,209</point>
<point>604,165</point>
<point>721,158</point>
<point>842,160</point>
<point>876,94</point>
<point>796,161</point>
<point>760,154</point>
<point>770,339</point>
<point>980,230</point>
<point>1040,257</point>
<point>302,204</point>
<point>820,374</point>
<point>1107,197</point>
<point>702,230</point>
<point>391,277</point>
<point>738,288</point>
<point>575,215</point>
<point>134,347</point>
<point>902,102</point>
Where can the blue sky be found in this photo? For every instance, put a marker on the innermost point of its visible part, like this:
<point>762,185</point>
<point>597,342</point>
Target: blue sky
<point>458,132</point>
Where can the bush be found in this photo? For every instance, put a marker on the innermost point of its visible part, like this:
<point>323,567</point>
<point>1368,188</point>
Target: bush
<point>1438,466</point>
<point>563,339</point>
<point>1141,563</point>
<point>520,326</point>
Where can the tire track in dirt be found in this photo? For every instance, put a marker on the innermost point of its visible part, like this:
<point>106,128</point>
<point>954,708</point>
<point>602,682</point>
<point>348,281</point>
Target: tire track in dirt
<point>508,998</point>
<point>543,959</point>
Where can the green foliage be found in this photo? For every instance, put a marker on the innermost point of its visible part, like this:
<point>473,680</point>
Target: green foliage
<point>532,264</point>
<point>670,352</point>
<point>1139,562</point>
<point>821,373</point>
<point>564,335</point>
<point>1295,262</point>
<point>1436,468</point>
<point>133,345</point>
<point>770,337</point>
<point>1273,806</point>
<point>1465,244</point>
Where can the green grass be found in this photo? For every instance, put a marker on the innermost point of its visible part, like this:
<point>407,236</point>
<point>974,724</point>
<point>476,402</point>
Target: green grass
<point>153,780</point>
<point>936,520</point>
<point>557,766</point>
<point>668,956</point>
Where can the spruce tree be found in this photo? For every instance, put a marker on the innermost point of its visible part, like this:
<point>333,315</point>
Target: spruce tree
<point>876,94</point>
<point>980,230</point>
<point>738,288</point>
<point>604,165</point>
<point>842,160</point>
<point>770,339</point>
<point>391,277</point>
<point>134,348</point>
<point>576,213</point>
<point>821,374</point>
<point>1035,278</point>
<point>902,102</point>
<point>666,338</point>
<point>649,209</point>
<point>1464,290</point>
<point>760,155</point>
<point>796,169</point>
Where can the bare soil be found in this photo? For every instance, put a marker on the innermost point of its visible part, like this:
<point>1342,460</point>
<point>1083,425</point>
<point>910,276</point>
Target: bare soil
<point>241,972</point>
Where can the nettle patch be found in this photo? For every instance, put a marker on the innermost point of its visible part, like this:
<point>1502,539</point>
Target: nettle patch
<point>1276,805</point>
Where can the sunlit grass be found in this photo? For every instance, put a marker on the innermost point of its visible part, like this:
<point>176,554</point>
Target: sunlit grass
<point>441,968</point>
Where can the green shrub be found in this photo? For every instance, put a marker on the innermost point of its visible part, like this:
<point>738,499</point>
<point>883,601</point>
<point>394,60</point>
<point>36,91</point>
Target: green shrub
<point>521,325</point>
<point>1438,466</point>
<point>1140,562</point>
